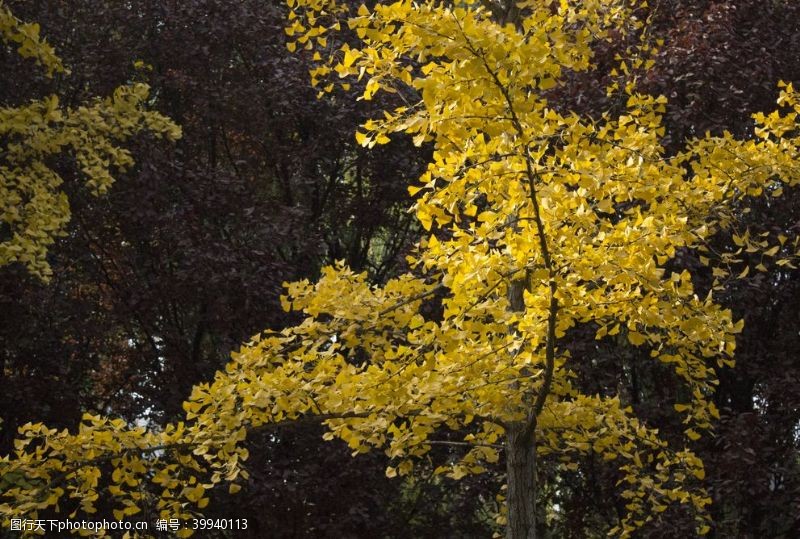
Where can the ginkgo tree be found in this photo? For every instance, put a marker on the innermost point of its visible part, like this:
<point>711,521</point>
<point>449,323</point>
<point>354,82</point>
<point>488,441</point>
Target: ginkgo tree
<point>537,220</point>
<point>34,209</point>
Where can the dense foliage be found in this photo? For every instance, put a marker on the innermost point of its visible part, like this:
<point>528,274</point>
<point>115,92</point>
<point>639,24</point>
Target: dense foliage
<point>155,282</point>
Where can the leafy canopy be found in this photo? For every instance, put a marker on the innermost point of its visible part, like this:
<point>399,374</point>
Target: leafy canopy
<point>34,209</point>
<point>539,220</point>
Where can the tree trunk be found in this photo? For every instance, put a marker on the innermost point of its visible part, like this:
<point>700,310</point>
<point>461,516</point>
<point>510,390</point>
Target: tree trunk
<point>521,470</point>
<point>520,455</point>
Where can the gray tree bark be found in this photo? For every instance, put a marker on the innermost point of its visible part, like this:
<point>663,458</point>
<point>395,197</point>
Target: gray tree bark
<point>520,448</point>
<point>521,470</point>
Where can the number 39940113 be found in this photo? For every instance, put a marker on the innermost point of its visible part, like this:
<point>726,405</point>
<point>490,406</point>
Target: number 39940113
<point>219,524</point>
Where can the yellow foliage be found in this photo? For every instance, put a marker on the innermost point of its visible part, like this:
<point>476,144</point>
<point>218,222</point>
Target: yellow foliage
<point>585,213</point>
<point>26,37</point>
<point>33,207</point>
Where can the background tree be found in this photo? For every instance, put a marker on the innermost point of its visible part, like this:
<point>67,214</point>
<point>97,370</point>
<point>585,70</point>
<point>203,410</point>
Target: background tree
<point>34,208</point>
